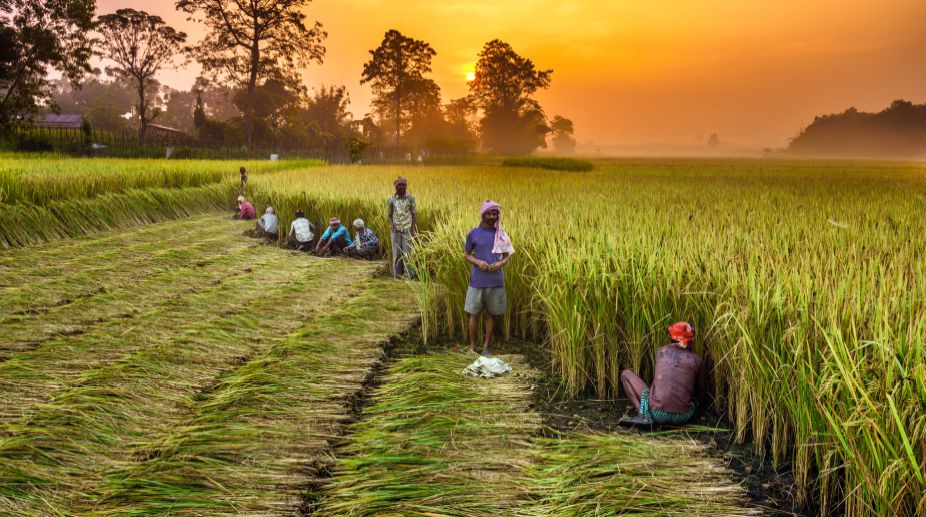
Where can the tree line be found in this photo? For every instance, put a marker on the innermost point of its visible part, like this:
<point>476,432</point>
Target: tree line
<point>251,90</point>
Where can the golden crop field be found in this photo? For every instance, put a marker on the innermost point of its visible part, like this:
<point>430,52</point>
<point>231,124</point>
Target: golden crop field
<point>806,280</point>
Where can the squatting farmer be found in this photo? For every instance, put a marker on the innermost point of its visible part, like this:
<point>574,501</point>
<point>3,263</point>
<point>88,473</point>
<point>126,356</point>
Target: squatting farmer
<point>267,224</point>
<point>403,220</point>
<point>679,380</point>
<point>301,233</point>
<point>365,244</point>
<point>246,210</point>
<point>334,240</point>
<point>488,249</point>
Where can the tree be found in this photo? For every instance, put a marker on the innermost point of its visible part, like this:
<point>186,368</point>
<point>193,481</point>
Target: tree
<point>563,130</point>
<point>141,45</point>
<point>37,36</point>
<point>103,102</point>
<point>396,72</point>
<point>250,41</point>
<point>514,123</point>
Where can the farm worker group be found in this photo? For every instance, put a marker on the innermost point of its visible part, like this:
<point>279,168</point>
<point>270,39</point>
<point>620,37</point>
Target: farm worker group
<point>679,372</point>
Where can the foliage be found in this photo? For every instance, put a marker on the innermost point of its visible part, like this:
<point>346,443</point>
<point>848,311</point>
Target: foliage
<point>141,45</point>
<point>250,42</point>
<point>562,131</point>
<point>898,131</point>
<point>396,72</point>
<point>101,102</point>
<point>513,122</point>
<point>550,163</point>
<point>38,36</point>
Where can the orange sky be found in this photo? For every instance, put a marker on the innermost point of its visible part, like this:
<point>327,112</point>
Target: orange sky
<point>632,72</point>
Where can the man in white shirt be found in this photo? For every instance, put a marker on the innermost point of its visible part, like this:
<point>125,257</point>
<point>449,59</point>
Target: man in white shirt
<point>267,224</point>
<point>301,233</point>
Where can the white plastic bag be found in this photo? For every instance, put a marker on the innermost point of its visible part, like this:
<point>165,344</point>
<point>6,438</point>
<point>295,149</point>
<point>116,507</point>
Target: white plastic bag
<point>487,368</point>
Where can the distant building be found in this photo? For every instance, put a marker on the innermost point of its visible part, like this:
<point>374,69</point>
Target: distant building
<point>67,121</point>
<point>166,131</point>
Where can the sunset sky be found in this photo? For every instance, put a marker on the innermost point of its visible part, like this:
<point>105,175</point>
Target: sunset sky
<point>634,72</point>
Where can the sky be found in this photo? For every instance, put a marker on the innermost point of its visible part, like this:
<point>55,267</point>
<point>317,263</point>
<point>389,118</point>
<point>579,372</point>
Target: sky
<point>635,72</point>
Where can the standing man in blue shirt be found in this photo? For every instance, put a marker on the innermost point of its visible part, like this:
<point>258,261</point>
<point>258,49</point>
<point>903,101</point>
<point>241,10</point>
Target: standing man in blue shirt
<point>488,249</point>
<point>334,240</point>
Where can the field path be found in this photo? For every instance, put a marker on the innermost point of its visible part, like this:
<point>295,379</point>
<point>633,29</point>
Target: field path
<point>437,443</point>
<point>97,392</point>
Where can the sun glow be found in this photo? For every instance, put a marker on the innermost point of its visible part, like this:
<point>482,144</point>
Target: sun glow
<point>470,76</point>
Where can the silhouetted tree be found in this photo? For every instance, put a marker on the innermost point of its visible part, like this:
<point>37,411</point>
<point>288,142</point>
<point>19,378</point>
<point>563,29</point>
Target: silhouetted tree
<point>250,41</point>
<point>897,131</point>
<point>513,122</point>
<point>37,36</point>
<point>563,130</point>
<point>141,45</point>
<point>713,140</point>
<point>396,73</point>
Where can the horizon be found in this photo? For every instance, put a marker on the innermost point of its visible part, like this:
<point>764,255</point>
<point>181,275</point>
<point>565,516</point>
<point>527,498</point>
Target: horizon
<point>754,84</point>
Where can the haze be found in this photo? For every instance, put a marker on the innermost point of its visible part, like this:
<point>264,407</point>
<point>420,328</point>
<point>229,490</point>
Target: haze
<point>633,73</point>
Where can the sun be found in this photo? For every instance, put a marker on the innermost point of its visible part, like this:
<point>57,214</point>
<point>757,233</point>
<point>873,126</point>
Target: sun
<point>470,76</point>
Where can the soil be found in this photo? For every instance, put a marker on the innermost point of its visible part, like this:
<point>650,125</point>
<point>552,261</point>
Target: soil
<point>770,490</point>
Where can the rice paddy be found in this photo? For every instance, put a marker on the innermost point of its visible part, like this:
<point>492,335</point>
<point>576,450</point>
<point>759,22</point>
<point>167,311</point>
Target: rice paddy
<point>805,279</point>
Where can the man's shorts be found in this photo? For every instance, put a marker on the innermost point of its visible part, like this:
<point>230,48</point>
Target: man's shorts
<point>663,417</point>
<point>492,299</point>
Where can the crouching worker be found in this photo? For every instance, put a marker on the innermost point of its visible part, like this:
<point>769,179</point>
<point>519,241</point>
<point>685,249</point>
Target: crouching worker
<point>365,244</point>
<point>246,210</point>
<point>679,381</point>
<point>335,239</point>
<point>267,225</point>
<point>301,233</point>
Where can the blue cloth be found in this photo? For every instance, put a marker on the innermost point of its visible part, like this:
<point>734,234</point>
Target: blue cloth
<point>480,242</point>
<point>365,239</point>
<point>340,232</point>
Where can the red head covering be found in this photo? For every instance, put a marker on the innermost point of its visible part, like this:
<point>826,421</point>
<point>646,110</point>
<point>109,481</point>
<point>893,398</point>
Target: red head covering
<point>682,333</point>
<point>400,181</point>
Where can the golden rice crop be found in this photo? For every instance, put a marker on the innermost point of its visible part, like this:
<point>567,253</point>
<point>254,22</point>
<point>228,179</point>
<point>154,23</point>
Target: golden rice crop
<point>806,281</point>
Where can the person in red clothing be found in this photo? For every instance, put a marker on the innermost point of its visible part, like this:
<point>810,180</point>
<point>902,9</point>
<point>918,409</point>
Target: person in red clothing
<point>678,383</point>
<point>246,210</point>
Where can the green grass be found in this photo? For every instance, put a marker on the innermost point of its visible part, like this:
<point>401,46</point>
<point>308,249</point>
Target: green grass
<point>550,163</point>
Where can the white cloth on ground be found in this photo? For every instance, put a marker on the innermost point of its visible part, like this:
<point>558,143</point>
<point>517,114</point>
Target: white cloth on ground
<point>487,367</point>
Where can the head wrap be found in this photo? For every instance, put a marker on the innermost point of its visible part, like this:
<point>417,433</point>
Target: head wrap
<point>682,333</point>
<point>502,241</point>
<point>400,181</point>
<point>358,223</point>
<point>269,210</point>
<point>241,199</point>
<point>334,220</point>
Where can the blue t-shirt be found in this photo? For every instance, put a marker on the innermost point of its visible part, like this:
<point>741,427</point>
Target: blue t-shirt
<point>480,241</point>
<point>340,232</point>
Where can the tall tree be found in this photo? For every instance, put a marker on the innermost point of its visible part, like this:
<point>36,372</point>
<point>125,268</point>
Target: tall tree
<point>513,122</point>
<point>141,45</point>
<point>251,40</point>
<point>563,130</point>
<point>37,36</point>
<point>396,72</point>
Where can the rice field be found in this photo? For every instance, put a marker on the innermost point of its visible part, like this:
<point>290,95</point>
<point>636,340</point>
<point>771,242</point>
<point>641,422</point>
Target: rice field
<point>805,279</point>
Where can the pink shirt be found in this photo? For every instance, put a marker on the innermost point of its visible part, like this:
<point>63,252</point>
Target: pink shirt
<point>247,211</point>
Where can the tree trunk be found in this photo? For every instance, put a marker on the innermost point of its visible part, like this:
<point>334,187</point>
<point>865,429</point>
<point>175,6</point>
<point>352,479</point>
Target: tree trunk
<point>249,98</point>
<point>142,115</point>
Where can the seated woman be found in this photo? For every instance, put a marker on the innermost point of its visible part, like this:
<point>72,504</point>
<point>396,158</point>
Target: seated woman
<point>301,233</point>
<point>335,239</point>
<point>365,245</point>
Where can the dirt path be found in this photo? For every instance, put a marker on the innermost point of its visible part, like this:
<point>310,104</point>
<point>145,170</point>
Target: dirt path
<point>437,443</point>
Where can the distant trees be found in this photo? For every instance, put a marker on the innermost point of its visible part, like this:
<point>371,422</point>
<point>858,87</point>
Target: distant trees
<point>141,45</point>
<point>253,41</point>
<point>562,130</point>
<point>396,72</point>
<point>513,122</point>
<point>897,131</point>
<point>103,103</point>
<point>37,36</point>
